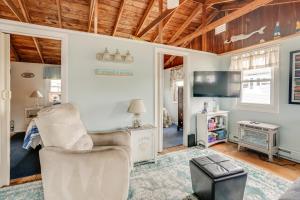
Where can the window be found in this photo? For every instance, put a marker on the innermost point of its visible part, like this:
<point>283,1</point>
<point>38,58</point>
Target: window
<point>54,95</point>
<point>259,88</point>
<point>256,86</point>
<point>55,85</point>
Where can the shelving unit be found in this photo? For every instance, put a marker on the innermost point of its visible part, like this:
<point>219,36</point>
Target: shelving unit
<point>212,128</point>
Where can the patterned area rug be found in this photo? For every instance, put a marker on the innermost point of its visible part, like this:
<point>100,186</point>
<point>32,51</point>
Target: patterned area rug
<point>169,179</point>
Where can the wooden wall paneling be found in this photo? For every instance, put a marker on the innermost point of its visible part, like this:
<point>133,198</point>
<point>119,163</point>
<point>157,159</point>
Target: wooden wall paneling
<point>232,16</point>
<point>287,19</point>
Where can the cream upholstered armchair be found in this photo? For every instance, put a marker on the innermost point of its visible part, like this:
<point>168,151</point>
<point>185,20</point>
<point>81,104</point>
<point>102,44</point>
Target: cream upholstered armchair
<point>98,173</point>
<point>102,173</point>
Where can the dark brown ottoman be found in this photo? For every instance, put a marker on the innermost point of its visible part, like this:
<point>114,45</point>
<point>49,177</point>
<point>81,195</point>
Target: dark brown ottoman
<point>215,177</point>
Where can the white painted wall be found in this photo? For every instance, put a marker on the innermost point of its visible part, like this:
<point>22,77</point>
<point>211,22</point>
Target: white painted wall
<point>169,104</point>
<point>21,90</point>
<point>202,63</point>
<point>288,116</point>
<point>103,101</point>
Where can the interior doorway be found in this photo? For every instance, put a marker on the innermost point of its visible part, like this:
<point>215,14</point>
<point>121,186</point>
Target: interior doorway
<point>35,80</point>
<point>159,93</point>
<point>173,83</point>
<point>6,29</point>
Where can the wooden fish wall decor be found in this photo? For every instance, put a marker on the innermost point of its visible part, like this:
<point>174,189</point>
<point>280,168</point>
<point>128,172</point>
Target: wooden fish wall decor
<point>236,38</point>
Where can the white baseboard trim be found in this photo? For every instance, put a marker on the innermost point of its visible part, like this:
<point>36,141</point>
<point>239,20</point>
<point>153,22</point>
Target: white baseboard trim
<point>285,153</point>
<point>289,154</point>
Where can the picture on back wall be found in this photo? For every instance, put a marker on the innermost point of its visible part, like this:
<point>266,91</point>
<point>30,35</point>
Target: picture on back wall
<point>294,90</point>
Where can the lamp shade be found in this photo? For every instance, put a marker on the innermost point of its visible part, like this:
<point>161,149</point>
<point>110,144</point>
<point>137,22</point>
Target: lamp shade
<point>137,106</point>
<point>36,94</point>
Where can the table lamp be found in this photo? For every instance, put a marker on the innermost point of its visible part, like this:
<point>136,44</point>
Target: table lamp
<point>137,107</point>
<point>36,95</point>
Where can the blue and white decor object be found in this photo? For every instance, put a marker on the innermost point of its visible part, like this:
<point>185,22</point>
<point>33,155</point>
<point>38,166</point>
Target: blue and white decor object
<point>277,30</point>
<point>32,137</point>
<point>106,56</point>
<point>113,72</point>
<point>169,179</point>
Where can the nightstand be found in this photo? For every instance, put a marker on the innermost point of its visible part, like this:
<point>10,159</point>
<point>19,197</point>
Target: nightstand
<point>143,144</point>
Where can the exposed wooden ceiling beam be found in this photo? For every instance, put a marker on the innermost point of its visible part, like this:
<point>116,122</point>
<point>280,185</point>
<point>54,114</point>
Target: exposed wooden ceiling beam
<point>204,22</point>
<point>119,17</point>
<point>14,9</point>
<point>23,17</point>
<point>96,17</point>
<point>195,12</point>
<point>91,13</point>
<point>58,4</point>
<point>214,2</point>
<point>13,50</point>
<point>170,60</point>
<point>230,17</point>
<point>156,22</point>
<point>167,20</point>
<point>160,27</point>
<point>38,48</point>
<point>238,4</point>
<point>145,16</point>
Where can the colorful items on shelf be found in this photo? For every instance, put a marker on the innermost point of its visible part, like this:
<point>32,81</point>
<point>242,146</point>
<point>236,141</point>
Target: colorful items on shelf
<point>212,124</point>
<point>298,26</point>
<point>277,30</point>
<point>212,137</point>
<point>221,134</point>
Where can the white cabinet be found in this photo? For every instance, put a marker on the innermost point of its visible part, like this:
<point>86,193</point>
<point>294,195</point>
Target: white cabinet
<point>258,136</point>
<point>212,128</point>
<point>143,144</point>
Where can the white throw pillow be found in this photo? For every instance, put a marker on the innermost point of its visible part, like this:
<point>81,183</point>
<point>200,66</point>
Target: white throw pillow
<point>61,126</point>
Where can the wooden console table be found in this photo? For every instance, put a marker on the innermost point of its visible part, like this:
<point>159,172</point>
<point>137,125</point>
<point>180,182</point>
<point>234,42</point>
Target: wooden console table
<point>258,136</point>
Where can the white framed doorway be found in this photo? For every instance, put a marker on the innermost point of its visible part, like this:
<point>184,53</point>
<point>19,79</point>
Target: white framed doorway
<point>158,97</point>
<point>7,28</point>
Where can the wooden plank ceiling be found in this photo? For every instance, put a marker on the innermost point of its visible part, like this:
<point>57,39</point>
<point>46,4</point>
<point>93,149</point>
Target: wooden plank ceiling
<point>186,25</point>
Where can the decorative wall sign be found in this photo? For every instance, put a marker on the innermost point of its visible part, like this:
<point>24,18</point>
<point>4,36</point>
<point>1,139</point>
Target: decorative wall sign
<point>236,38</point>
<point>113,72</point>
<point>294,90</point>
<point>277,30</point>
<point>298,26</point>
<point>27,75</point>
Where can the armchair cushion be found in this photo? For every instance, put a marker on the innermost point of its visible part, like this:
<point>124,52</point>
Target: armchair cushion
<point>102,173</point>
<point>61,126</point>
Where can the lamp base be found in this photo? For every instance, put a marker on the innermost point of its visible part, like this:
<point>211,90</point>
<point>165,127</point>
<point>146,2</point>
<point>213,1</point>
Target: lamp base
<point>137,122</point>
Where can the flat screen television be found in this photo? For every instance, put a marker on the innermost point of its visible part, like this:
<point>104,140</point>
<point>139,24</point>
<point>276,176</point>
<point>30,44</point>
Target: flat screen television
<point>217,84</point>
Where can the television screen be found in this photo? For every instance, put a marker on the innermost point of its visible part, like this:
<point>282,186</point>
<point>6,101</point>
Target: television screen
<point>217,84</point>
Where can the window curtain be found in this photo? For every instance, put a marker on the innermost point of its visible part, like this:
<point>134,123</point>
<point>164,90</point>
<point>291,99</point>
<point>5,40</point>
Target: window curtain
<point>176,75</point>
<point>267,57</point>
<point>52,73</point>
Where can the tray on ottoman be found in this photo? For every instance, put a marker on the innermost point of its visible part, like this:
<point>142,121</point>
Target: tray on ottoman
<point>216,177</point>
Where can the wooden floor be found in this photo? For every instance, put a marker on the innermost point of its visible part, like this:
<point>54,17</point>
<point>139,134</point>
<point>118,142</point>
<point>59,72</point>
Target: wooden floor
<point>25,179</point>
<point>281,167</point>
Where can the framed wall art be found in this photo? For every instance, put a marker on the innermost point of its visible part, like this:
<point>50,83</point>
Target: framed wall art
<point>294,86</point>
